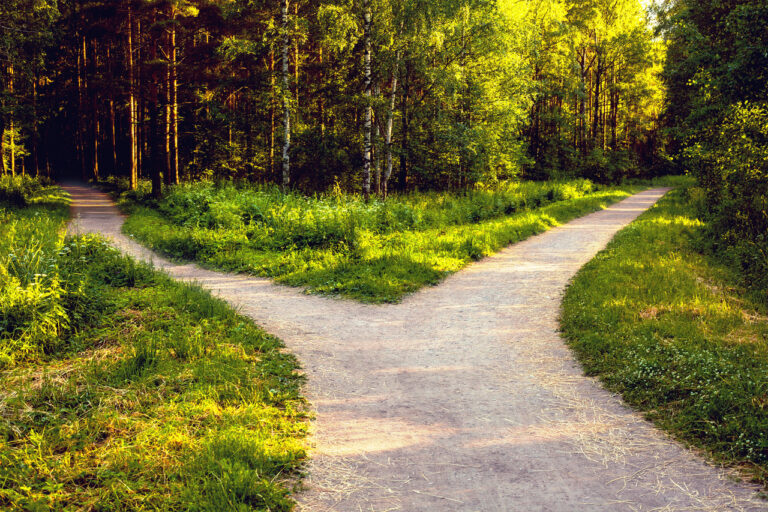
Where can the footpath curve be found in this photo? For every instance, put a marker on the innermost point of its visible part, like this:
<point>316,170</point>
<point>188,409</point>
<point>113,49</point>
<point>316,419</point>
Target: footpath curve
<point>464,396</point>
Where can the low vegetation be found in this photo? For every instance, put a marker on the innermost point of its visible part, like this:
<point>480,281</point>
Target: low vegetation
<point>339,244</point>
<point>673,331</point>
<point>122,390</point>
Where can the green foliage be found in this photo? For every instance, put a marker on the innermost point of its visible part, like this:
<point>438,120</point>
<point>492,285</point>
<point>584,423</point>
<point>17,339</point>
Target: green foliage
<point>671,331</point>
<point>718,116</point>
<point>461,92</point>
<point>20,191</point>
<point>733,169</point>
<point>123,390</point>
<point>339,244</point>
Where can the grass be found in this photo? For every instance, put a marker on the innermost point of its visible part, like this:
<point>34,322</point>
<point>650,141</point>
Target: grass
<point>338,244</point>
<point>673,332</point>
<point>123,390</point>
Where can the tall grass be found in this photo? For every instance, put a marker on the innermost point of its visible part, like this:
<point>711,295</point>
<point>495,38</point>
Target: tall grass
<point>122,390</point>
<point>673,331</point>
<point>338,243</point>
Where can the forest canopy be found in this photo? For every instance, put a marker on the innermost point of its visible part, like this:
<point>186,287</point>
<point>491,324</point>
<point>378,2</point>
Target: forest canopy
<point>369,95</point>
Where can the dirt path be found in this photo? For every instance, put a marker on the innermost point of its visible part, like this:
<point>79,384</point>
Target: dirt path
<point>464,397</point>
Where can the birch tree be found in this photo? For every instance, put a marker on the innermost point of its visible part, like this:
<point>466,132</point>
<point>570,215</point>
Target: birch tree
<point>368,107</point>
<point>286,98</point>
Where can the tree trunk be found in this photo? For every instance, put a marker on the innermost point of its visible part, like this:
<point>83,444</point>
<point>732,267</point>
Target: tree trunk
<point>286,100</point>
<point>582,105</point>
<point>390,122</point>
<point>94,115</point>
<point>296,61</point>
<point>81,108</point>
<point>614,108</point>
<point>271,114</point>
<point>175,105</point>
<point>12,132</point>
<point>167,172</point>
<point>596,115</point>
<point>321,100</point>
<point>377,161</point>
<point>404,142</point>
<point>35,134</point>
<point>154,111</point>
<point>368,106</point>
<point>134,176</point>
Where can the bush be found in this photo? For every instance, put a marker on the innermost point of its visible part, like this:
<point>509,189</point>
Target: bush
<point>17,191</point>
<point>731,163</point>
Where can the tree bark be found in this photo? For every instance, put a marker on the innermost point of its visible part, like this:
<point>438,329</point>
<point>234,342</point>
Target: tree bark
<point>404,142</point>
<point>168,173</point>
<point>390,122</point>
<point>272,114</point>
<point>368,106</point>
<point>321,100</point>
<point>296,62</point>
<point>286,100</point>
<point>154,111</point>
<point>175,106</point>
<point>134,176</point>
<point>596,115</point>
<point>81,108</point>
<point>94,115</point>
<point>12,131</point>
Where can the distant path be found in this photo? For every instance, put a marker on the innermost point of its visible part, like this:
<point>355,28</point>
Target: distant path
<point>464,396</point>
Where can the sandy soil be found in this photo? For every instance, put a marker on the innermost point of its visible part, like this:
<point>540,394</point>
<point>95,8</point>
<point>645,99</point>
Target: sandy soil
<point>463,397</point>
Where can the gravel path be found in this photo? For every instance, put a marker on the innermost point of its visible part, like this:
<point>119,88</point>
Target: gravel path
<point>463,397</point>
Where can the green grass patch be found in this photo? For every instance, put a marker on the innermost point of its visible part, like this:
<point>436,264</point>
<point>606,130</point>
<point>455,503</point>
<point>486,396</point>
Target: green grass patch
<point>339,244</point>
<point>123,390</point>
<point>672,331</point>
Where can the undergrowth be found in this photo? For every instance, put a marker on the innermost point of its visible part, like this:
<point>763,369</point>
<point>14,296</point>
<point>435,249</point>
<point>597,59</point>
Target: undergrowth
<point>673,332</point>
<point>123,390</point>
<point>339,244</point>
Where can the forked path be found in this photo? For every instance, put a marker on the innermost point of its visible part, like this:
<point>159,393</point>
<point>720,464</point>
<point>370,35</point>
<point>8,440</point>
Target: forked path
<point>464,397</point>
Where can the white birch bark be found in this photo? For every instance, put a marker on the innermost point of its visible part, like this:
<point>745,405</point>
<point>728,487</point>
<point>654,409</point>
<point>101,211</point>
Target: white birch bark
<point>390,122</point>
<point>286,100</point>
<point>368,106</point>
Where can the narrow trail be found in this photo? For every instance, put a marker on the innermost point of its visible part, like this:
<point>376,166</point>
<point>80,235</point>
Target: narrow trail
<point>463,397</point>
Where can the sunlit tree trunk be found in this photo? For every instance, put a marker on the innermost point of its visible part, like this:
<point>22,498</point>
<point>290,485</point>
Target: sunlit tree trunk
<point>296,62</point>
<point>321,100</point>
<point>614,107</point>
<point>286,100</point>
<point>112,116</point>
<point>404,142</point>
<point>388,129</point>
<point>94,114</point>
<point>12,132</point>
<point>596,99</point>
<point>168,172</point>
<point>154,77</point>
<point>175,105</point>
<point>368,106</point>
<point>272,114</point>
<point>132,113</point>
<point>81,85</point>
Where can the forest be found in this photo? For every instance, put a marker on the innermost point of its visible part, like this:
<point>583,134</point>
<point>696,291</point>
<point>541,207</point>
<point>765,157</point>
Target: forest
<point>370,96</point>
<point>297,254</point>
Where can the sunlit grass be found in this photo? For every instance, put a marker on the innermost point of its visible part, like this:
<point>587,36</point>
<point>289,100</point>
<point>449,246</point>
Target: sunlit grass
<point>123,390</point>
<point>338,244</point>
<point>672,331</point>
